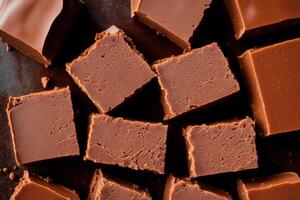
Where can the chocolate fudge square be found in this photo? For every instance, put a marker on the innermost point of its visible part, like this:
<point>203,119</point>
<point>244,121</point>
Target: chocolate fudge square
<point>111,70</point>
<point>194,80</point>
<point>42,126</point>
<point>221,148</point>
<point>102,188</point>
<point>133,144</point>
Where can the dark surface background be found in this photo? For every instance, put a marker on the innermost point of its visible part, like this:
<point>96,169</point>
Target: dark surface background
<point>19,75</point>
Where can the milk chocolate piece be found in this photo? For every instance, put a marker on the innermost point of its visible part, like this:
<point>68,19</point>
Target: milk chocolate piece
<point>111,70</point>
<point>177,189</point>
<point>221,148</point>
<point>133,144</point>
<point>102,188</point>
<point>45,81</point>
<point>194,80</point>
<point>35,27</point>
<point>278,187</point>
<point>34,188</point>
<point>42,126</point>
<point>272,75</point>
<point>262,15</point>
<point>175,19</point>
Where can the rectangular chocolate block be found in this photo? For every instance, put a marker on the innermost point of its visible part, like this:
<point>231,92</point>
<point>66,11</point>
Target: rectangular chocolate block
<point>111,70</point>
<point>175,19</point>
<point>177,189</point>
<point>260,16</point>
<point>42,126</point>
<point>272,76</point>
<point>102,188</point>
<point>37,28</point>
<point>34,188</point>
<point>221,148</point>
<point>278,187</point>
<point>194,80</point>
<point>133,144</point>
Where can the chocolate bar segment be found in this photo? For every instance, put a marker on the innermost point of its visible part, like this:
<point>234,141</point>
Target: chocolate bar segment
<point>133,144</point>
<point>261,16</point>
<point>272,76</point>
<point>281,186</point>
<point>194,80</point>
<point>42,126</point>
<point>175,19</point>
<point>221,148</point>
<point>111,70</point>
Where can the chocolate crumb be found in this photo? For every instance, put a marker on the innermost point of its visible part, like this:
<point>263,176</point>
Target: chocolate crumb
<point>45,81</point>
<point>5,170</point>
<point>11,176</point>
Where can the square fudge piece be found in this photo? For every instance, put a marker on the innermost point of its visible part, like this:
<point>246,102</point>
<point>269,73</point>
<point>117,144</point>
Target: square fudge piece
<point>277,187</point>
<point>260,16</point>
<point>272,76</point>
<point>194,80</point>
<point>177,20</point>
<point>31,188</point>
<point>133,144</point>
<point>42,126</point>
<point>177,189</point>
<point>111,70</point>
<point>102,188</point>
<point>221,148</point>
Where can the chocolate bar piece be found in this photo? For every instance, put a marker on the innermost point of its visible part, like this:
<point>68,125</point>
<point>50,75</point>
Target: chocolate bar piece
<point>133,144</point>
<point>42,126</point>
<point>272,76</point>
<point>281,186</point>
<point>177,20</point>
<point>261,16</point>
<point>221,148</point>
<point>194,80</point>
<point>177,189</point>
<point>102,188</point>
<point>37,28</point>
<point>34,188</point>
<point>111,70</point>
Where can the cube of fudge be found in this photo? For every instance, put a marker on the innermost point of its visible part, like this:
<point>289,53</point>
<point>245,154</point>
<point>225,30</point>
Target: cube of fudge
<point>133,144</point>
<point>42,126</point>
<point>221,148</point>
<point>111,70</point>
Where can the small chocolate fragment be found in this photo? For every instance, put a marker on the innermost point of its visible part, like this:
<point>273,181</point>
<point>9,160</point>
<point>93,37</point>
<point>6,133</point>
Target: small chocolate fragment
<point>11,176</point>
<point>133,144</point>
<point>45,81</point>
<point>5,169</point>
<point>34,188</point>
<point>249,16</point>
<point>175,19</point>
<point>278,187</point>
<point>102,188</point>
<point>272,76</point>
<point>221,148</point>
<point>35,27</point>
<point>194,80</point>
<point>111,70</point>
<point>42,126</point>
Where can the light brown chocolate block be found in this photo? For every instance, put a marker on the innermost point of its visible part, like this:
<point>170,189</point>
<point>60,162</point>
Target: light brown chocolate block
<point>111,70</point>
<point>102,188</point>
<point>133,144</point>
<point>221,148</point>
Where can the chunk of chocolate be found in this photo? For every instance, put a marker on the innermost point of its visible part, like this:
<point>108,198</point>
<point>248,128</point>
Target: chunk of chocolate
<point>259,16</point>
<point>278,187</point>
<point>111,70</point>
<point>37,28</point>
<point>102,188</point>
<point>194,80</point>
<point>34,188</point>
<point>177,20</point>
<point>42,126</point>
<point>133,144</point>
<point>45,81</point>
<point>221,148</point>
<point>272,76</point>
<point>177,189</point>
